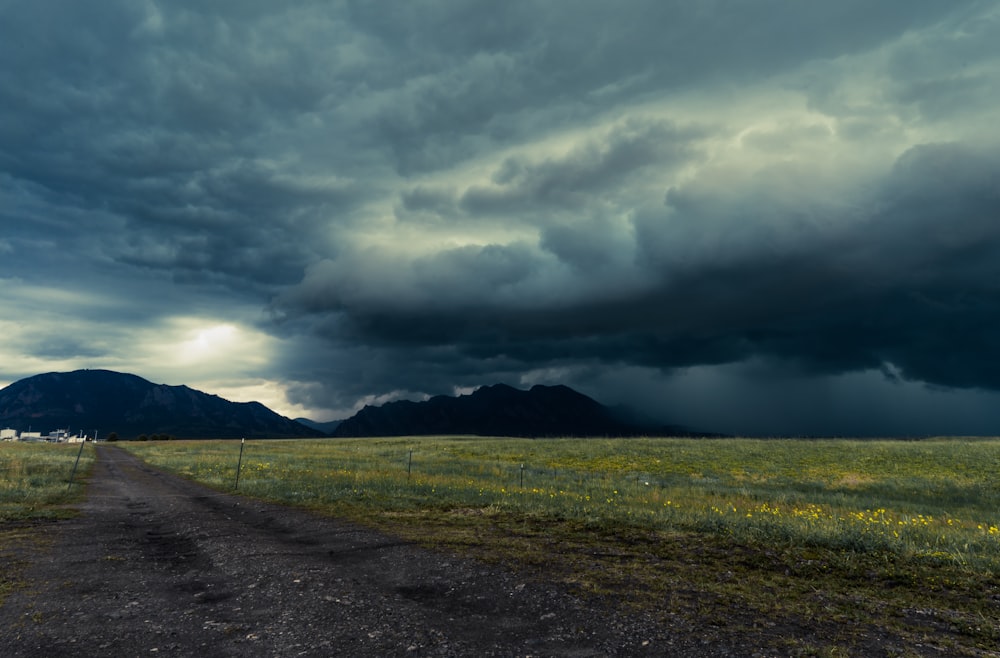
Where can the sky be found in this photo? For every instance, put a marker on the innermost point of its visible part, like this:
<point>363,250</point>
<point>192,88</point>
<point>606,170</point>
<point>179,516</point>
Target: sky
<point>766,218</point>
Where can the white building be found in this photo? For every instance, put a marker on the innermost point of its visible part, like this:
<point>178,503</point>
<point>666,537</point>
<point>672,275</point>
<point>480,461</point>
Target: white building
<point>58,435</point>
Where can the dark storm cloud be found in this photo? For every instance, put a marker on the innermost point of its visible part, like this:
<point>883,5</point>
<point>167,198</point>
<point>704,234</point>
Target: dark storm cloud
<point>417,196</point>
<point>524,67</point>
<point>913,284</point>
<point>160,117</point>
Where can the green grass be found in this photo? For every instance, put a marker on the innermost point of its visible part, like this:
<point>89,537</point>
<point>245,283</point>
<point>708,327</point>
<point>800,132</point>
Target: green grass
<point>34,488</point>
<point>755,536</point>
<point>929,499</point>
<point>34,479</point>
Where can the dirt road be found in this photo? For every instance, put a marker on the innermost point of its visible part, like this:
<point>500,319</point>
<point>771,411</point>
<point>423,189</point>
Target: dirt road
<point>156,565</point>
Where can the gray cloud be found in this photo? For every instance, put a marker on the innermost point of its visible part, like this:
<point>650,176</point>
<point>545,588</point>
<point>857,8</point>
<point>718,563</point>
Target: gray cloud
<point>723,193</point>
<point>584,174</point>
<point>896,286</point>
<point>475,79</point>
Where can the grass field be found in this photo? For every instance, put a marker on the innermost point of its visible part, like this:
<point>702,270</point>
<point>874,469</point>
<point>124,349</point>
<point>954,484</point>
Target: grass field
<point>902,537</point>
<point>34,479</point>
<point>34,487</point>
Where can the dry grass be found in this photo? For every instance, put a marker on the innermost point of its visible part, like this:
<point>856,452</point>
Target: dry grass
<point>801,547</point>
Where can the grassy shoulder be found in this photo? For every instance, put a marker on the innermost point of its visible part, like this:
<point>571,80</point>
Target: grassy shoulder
<point>35,489</point>
<point>35,479</point>
<point>798,600</point>
<point>804,547</point>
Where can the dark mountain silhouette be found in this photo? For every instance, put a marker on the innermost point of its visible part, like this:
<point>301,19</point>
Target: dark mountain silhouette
<point>498,410</point>
<point>326,427</point>
<point>132,406</point>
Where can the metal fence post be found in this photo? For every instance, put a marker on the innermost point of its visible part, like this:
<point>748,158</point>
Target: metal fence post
<point>239,464</point>
<point>75,464</point>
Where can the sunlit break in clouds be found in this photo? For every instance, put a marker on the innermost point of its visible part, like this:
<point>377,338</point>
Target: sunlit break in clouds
<point>753,218</point>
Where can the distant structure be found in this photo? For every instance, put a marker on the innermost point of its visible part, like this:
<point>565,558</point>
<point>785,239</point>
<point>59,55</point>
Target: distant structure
<point>55,436</point>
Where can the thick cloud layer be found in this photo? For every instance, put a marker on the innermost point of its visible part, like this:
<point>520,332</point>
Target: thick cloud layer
<point>759,209</point>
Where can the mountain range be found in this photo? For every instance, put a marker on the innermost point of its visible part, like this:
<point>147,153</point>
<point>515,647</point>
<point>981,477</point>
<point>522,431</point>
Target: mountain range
<point>105,401</point>
<point>499,410</point>
<point>131,406</point>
